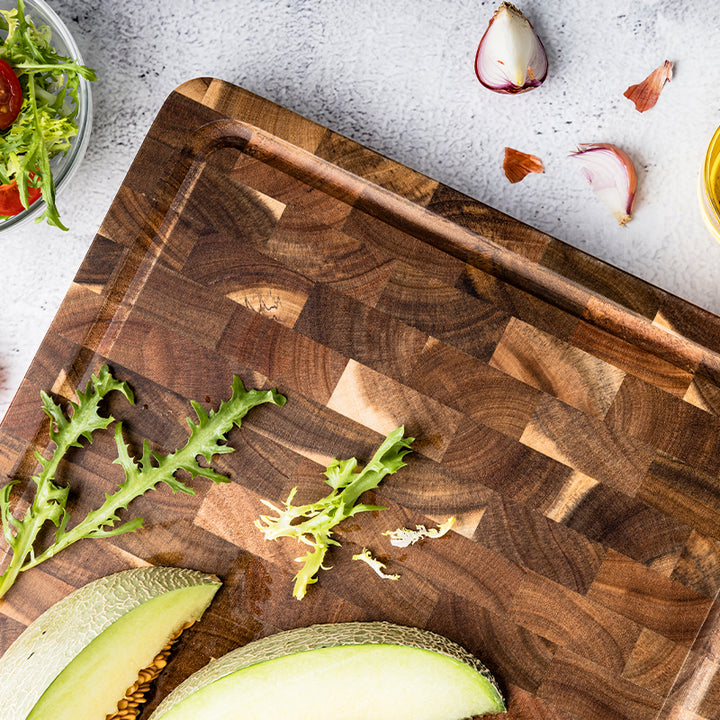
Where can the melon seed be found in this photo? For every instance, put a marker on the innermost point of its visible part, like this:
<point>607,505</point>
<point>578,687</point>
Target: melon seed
<point>128,708</point>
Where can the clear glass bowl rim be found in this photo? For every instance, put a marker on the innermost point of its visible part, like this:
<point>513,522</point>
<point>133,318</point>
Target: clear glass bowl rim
<point>42,14</point>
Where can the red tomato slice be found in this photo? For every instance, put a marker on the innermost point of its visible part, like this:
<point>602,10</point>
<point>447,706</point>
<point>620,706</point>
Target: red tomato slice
<point>10,95</point>
<point>10,198</point>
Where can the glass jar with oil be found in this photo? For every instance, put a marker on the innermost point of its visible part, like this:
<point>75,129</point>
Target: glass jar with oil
<point>710,186</point>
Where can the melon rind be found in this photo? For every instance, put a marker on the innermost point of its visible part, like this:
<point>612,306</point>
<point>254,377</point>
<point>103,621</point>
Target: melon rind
<point>315,637</point>
<point>57,636</point>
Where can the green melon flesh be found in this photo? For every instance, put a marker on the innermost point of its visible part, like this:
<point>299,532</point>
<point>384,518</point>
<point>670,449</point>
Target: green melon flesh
<point>79,657</point>
<point>347,671</point>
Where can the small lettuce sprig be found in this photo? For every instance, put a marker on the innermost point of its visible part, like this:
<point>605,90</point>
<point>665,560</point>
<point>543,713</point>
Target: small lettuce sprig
<point>207,439</point>
<point>313,523</point>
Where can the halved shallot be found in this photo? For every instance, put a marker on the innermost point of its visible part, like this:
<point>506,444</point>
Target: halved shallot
<point>612,176</point>
<point>510,57</point>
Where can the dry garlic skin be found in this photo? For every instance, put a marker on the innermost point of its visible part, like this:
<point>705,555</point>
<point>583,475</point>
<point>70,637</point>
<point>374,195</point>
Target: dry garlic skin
<point>80,656</point>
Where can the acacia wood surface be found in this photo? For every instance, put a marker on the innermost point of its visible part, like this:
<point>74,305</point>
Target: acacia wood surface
<point>566,413</point>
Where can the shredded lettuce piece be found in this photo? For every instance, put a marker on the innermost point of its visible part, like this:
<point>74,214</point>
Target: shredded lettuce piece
<point>47,121</point>
<point>379,567</point>
<point>402,537</point>
<point>313,523</point>
<point>206,439</point>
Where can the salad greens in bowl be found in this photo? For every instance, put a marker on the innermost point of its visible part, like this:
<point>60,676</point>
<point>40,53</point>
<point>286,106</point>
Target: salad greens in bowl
<point>45,111</point>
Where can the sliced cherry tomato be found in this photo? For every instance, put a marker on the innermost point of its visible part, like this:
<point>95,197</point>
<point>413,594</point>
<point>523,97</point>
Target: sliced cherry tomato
<point>10,95</point>
<point>10,198</point>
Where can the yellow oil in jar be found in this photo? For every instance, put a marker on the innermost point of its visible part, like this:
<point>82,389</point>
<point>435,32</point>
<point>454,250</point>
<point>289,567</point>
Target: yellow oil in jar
<point>710,186</point>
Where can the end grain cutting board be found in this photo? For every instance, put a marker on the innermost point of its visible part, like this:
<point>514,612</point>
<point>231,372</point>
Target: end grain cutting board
<point>567,413</point>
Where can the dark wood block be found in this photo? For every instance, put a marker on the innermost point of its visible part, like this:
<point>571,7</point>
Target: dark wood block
<point>656,663</point>
<point>285,357</point>
<point>517,302</point>
<point>539,544</point>
<point>660,604</point>
<point>667,423</point>
<point>698,566</point>
<point>590,629</point>
<point>583,442</point>
<point>690,495</point>
<point>443,312</point>
<point>356,331</point>
<point>582,688</point>
<point>557,368</point>
<point>487,456</point>
<point>476,389</point>
<point>398,243</point>
<point>627,357</point>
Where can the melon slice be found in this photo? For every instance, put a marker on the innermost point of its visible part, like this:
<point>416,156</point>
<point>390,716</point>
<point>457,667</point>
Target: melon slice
<point>79,657</point>
<point>344,671</point>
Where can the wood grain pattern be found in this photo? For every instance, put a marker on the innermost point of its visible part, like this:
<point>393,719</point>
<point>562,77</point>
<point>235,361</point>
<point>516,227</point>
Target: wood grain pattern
<point>566,413</point>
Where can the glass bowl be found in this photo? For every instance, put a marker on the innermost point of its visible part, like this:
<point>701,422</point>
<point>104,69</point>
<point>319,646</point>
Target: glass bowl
<point>63,165</point>
<point>709,186</point>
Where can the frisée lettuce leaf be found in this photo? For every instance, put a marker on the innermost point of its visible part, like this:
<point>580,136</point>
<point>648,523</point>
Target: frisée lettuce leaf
<point>313,523</point>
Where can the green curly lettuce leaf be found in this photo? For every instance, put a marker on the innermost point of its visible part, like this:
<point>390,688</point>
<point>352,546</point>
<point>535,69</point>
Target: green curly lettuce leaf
<point>206,440</point>
<point>313,523</point>
<point>50,499</point>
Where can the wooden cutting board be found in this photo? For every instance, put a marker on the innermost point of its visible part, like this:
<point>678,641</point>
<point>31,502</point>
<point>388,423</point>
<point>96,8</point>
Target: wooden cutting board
<point>565,412</point>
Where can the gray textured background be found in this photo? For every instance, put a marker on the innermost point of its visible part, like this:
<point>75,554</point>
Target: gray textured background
<point>397,75</point>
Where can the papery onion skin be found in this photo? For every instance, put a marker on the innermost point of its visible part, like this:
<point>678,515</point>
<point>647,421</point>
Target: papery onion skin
<point>646,93</point>
<point>612,176</point>
<point>510,58</point>
<point>517,165</point>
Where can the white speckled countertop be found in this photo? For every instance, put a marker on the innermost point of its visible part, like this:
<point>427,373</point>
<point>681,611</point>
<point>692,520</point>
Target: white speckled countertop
<point>398,76</point>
